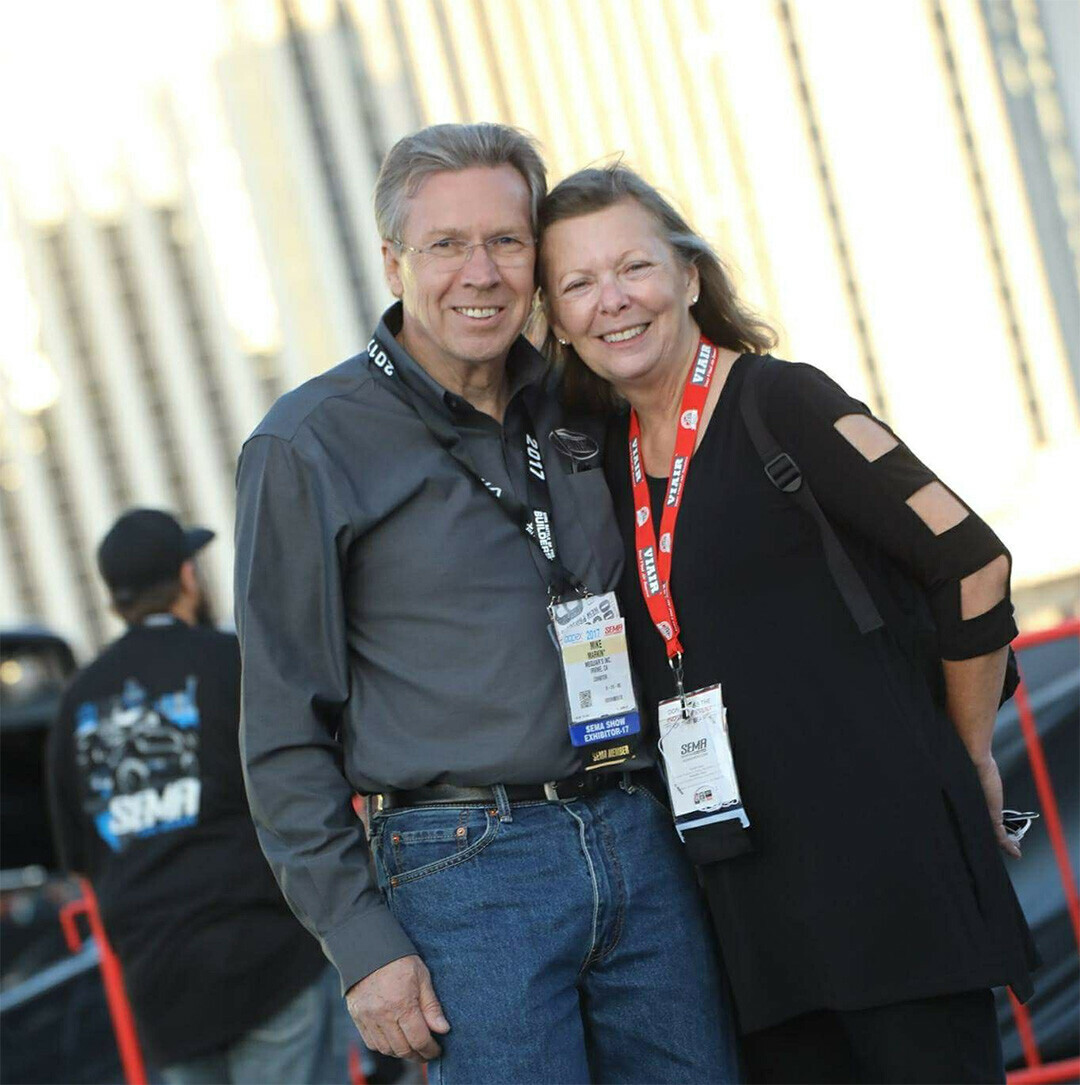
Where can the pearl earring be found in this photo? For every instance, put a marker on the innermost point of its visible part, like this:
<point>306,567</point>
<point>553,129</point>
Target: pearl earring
<point>693,300</point>
<point>563,342</point>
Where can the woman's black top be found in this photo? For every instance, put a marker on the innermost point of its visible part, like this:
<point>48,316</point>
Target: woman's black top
<point>874,876</point>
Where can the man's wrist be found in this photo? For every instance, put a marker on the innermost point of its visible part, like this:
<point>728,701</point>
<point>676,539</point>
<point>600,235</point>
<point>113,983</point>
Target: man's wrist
<point>365,944</point>
<point>353,986</point>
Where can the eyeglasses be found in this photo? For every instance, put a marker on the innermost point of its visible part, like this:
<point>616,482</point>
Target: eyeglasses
<point>453,254</point>
<point>1017,823</point>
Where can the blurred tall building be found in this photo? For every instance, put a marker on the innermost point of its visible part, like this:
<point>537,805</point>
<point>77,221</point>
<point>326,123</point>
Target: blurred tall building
<point>185,227</point>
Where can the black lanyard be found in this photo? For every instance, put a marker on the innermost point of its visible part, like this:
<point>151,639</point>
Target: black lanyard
<point>534,519</point>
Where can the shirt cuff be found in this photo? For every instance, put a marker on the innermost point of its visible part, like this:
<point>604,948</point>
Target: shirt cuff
<point>978,636</point>
<point>364,944</point>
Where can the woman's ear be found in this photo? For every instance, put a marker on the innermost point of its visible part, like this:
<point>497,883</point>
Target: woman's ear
<point>554,326</point>
<point>693,284</point>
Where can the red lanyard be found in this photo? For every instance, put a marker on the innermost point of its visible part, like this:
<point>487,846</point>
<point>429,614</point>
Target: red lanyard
<point>653,558</point>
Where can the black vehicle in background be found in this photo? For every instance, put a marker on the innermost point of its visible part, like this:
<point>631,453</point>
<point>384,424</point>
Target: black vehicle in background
<point>54,1020</point>
<point>1051,673</point>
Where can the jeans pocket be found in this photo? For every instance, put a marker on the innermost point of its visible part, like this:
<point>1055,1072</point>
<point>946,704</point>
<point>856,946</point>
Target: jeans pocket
<point>421,841</point>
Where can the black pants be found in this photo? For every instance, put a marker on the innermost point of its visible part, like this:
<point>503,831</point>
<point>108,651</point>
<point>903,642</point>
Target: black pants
<point>950,1038</point>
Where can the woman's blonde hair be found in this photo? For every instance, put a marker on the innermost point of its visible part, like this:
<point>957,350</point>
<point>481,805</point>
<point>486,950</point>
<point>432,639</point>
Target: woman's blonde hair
<point>719,313</point>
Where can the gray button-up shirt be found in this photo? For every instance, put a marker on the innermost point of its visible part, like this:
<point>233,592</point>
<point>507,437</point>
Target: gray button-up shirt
<point>393,620</point>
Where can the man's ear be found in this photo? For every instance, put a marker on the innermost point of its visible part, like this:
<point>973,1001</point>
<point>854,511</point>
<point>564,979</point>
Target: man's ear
<point>391,259</point>
<point>189,578</point>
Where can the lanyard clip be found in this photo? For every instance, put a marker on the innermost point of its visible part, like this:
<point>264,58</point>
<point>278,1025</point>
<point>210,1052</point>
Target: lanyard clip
<point>676,664</point>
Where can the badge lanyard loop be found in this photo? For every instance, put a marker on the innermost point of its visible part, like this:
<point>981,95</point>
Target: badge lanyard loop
<point>535,522</point>
<point>653,555</point>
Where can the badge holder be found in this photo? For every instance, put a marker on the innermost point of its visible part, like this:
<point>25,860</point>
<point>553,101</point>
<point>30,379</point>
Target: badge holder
<point>700,773</point>
<point>597,683</point>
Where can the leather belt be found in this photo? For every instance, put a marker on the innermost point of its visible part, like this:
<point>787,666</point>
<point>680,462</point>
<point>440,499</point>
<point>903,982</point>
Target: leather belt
<point>572,787</point>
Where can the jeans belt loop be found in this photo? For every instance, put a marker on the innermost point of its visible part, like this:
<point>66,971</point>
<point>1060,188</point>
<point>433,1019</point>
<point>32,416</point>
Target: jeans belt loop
<point>502,803</point>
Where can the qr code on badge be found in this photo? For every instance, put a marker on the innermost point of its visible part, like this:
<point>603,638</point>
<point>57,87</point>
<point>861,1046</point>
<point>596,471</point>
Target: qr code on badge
<point>585,698</point>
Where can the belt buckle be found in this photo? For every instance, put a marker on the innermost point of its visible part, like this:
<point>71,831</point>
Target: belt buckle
<point>573,787</point>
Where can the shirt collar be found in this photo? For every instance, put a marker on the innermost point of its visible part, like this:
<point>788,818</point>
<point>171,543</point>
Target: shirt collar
<point>157,621</point>
<point>525,365</point>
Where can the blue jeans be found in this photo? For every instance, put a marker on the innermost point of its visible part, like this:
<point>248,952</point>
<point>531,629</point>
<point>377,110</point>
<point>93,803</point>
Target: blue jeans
<point>305,1043</point>
<point>567,942</point>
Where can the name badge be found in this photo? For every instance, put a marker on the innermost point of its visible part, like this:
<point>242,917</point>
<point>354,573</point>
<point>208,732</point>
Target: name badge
<point>698,764</point>
<point>596,672</point>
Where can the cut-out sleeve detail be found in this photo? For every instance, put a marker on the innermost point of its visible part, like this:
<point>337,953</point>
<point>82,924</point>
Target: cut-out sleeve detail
<point>894,501</point>
<point>936,507</point>
<point>867,434</point>
<point>983,589</point>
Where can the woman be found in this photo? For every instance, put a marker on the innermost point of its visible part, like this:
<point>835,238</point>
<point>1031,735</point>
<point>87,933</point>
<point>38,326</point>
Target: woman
<point>869,913</point>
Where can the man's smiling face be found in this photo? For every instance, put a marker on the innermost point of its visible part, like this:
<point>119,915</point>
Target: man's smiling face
<point>471,314</point>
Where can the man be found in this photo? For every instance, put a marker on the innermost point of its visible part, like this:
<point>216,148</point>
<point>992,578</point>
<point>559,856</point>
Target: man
<point>148,803</point>
<point>404,522</point>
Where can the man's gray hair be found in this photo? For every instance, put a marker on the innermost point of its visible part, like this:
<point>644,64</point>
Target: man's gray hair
<point>452,147</point>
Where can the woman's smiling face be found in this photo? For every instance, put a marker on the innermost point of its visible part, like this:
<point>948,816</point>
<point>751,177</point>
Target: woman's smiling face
<point>617,291</point>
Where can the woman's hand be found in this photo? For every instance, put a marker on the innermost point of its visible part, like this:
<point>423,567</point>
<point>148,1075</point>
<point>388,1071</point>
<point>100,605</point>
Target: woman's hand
<point>990,779</point>
<point>972,689</point>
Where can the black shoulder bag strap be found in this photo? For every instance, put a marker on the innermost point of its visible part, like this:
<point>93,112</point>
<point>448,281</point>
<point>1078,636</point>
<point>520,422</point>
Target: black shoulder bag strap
<point>783,472</point>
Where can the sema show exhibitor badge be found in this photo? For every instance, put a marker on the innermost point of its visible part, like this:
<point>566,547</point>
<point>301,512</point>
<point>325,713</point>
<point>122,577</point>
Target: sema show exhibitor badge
<point>599,688</point>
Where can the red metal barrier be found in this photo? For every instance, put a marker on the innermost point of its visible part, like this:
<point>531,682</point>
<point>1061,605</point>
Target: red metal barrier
<point>1025,1031</point>
<point>1036,1071</point>
<point>1070,628</point>
<point>1066,1070</point>
<point>112,977</point>
<point>356,1067</point>
<point>1049,806</point>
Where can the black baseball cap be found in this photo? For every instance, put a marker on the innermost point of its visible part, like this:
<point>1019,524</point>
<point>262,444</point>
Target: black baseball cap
<point>145,547</point>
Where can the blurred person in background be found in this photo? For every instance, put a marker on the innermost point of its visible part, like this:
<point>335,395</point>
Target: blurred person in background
<point>148,803</point>
<point>409,524</point>
<point>857,887</point>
